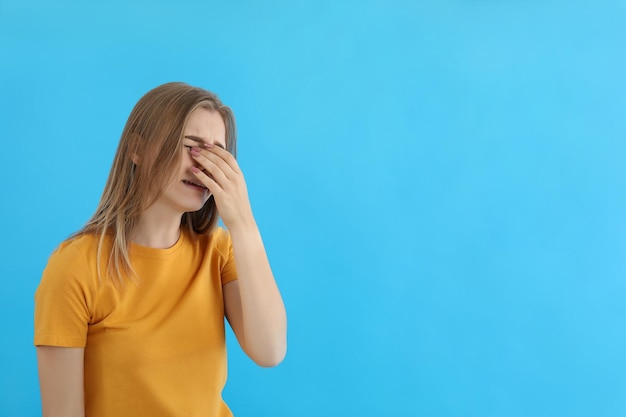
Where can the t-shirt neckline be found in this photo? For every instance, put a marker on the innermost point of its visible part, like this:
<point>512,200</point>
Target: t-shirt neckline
<point>157,252</point>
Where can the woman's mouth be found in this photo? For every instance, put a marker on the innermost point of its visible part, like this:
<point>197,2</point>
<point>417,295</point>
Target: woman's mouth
<point>198,186</point>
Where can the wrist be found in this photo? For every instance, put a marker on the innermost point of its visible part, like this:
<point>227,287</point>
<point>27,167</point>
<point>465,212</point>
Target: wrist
<point>243,227</point>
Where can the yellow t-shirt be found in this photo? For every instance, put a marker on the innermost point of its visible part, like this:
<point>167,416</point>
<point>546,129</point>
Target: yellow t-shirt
<point>152,349</point>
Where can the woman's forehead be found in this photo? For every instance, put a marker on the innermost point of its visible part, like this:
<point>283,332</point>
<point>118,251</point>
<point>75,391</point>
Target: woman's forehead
<point>206,126</point>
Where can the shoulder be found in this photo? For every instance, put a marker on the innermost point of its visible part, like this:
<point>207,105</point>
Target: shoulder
<point>215,242</point>
<point>222,242</point>
<point>76,249</point>
<point>75,257</point>
<point>218,238</point>
<point>82,243</point>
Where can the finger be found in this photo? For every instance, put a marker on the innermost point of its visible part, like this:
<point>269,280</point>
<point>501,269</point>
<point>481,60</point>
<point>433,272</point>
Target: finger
<point>205,157</point>
<point>211,165</point>
<point>224,155</point>
<point>209,182</point>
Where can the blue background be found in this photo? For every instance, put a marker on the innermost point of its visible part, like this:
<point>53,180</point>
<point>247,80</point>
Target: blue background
<point>440,186</point>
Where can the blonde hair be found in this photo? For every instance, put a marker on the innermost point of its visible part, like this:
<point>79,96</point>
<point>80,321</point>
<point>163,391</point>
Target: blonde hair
<point>153,135</point>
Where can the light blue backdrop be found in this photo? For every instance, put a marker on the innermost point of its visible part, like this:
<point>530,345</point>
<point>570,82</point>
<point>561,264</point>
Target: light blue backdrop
<point>440,185</point>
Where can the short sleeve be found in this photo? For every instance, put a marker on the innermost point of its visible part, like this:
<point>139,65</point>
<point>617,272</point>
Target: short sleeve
<point>229,270</point>
<point>62,300</point>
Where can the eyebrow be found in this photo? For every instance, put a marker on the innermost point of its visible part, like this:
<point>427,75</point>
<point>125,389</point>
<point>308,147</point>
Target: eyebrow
<point>201,140</point>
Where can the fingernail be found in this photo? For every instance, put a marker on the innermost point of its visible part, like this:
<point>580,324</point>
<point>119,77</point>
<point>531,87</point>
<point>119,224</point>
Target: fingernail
<point>195,170</point>
<point>208,145</point>
<point>195,151</point>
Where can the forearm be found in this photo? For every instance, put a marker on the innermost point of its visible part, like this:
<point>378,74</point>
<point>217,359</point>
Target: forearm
<point>263,312</point>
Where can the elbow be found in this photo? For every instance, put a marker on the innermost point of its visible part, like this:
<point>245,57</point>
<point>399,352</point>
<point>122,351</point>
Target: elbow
<point>272,357</point>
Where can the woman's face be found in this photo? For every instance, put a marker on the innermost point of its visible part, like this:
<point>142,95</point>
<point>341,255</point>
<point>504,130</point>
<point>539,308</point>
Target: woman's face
<point>185,193</point>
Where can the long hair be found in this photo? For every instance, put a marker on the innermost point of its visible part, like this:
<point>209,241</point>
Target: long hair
<point>153,135</point>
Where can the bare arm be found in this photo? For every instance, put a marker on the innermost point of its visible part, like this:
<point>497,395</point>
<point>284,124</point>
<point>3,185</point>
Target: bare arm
<point>61,374</point>
<point>254,307</point>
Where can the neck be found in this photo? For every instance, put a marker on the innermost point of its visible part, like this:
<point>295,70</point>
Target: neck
<point>157,229</point>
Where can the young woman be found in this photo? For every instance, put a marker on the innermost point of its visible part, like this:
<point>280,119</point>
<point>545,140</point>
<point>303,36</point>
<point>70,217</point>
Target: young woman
<point>129,314</point>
